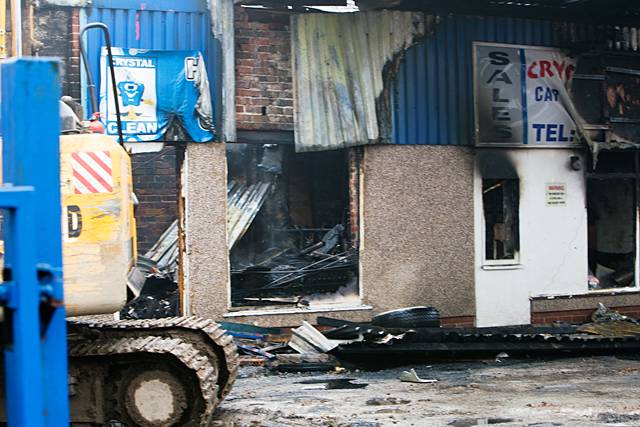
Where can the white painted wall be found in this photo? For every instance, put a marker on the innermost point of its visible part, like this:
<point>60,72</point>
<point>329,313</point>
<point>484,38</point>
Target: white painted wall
<point>553,240</point>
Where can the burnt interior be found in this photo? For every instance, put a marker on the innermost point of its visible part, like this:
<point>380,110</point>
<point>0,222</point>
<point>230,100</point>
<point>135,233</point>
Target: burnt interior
<point>606,92</point>
<point>299,247</point>
<point>501,205</point>
<point>612,200</point>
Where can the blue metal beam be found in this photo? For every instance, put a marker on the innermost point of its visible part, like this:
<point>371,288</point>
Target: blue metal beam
<point>35,350</point>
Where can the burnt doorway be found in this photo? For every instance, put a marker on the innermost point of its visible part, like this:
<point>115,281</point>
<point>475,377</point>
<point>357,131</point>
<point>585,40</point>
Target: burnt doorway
<point>612,214</point>
<point>156,282</point>
<point>292,233</point>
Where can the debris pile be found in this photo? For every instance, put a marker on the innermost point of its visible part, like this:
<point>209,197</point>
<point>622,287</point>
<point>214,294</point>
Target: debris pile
<point>158,298</point>
<point>154,280</point>
<point>161,261</point>
<point>280,349</point>
<point>308,348</point>
<point>610,323</point>
<point>334,342</point>
<point>293,276</point>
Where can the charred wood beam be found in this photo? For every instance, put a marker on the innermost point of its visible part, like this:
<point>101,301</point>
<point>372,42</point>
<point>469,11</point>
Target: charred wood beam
<point>264,137</point>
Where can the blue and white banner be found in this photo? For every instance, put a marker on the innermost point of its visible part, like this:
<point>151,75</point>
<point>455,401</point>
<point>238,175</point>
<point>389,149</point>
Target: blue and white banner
<point>522,96</point>
<point>156,90</point>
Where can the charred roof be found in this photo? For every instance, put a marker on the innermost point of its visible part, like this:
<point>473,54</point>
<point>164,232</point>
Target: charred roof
<point>597,11</point>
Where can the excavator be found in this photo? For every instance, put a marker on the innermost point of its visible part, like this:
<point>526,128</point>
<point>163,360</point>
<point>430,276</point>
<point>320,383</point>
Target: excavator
<point>151,372</point>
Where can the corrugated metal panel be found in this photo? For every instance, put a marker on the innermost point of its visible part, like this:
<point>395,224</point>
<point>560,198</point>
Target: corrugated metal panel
<point>433,91</point>
<point>156,24</point>
<point>338,63</point>
<point>244,202</point>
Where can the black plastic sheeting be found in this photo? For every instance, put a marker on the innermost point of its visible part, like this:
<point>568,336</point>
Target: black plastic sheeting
<point>431,344</point>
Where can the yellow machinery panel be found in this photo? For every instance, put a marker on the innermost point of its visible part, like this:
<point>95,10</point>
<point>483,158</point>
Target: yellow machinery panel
<point>98,223</point>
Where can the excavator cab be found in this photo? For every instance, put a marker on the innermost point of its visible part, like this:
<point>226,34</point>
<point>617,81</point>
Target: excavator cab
<point>99,234</point>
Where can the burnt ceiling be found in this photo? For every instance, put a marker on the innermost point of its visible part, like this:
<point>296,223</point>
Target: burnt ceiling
<point>287,4</point>
<point>622,12</point>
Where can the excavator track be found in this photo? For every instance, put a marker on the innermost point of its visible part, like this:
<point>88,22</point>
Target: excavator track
<point>199,346</point>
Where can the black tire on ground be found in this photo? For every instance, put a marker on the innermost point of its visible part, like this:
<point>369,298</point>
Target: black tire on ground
<point>412,317</point>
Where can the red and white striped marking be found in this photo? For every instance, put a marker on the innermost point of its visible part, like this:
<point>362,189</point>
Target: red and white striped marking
<point>92,172</point>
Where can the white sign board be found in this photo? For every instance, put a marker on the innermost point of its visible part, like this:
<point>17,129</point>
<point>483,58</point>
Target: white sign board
<point>522,97</point>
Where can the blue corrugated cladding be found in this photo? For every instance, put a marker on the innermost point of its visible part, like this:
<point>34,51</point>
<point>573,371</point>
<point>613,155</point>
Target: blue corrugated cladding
<point>158,25</point>
<point>433,93</point>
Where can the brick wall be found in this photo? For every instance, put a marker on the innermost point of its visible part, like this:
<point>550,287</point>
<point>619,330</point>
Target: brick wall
<point>458,322</point>
<point>73,65</point>
<point>264,90</point>
<point>57,29</point>
<point>156,185</point>
<point>577,316</point>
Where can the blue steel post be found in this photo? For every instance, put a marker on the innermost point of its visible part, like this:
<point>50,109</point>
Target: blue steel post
<point>35,357</point>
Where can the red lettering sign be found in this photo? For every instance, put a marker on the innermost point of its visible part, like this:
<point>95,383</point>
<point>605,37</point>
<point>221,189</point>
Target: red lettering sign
<point>544,68</point>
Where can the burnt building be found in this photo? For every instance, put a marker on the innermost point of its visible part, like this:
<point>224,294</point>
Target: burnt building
<point>374,155</point>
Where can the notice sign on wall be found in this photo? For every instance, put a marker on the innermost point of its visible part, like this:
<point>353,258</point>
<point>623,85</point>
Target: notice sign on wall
<point>556,194</point>
<point>521,96</point>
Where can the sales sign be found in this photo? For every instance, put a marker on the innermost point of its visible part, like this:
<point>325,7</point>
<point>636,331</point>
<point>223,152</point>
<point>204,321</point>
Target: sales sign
<point>522,96</point>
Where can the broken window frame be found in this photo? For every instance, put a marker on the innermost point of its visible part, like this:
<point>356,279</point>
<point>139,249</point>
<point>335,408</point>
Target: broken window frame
<point>503,262</point>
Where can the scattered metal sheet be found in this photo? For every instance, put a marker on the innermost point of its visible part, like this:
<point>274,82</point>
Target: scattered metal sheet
<point>474,343</point>
<point>159,261</point>
<point>334,384</point>
<point>307,339</point>
<point>244,202</point>
<point>615,328</point>
<point>165,251</point>
<point>412,377</point>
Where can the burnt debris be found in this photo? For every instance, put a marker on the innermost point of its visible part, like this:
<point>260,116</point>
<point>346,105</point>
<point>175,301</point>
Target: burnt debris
<point>292,243</point>
<point>336,344</point>
<point>153,281</point>
<point>322,267</point>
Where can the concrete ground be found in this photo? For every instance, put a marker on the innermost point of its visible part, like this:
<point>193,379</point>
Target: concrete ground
<point>593,391</point>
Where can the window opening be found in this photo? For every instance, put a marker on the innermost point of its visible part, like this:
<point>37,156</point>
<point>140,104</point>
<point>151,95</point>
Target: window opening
<point>500,200</point>
<point>291,231</point>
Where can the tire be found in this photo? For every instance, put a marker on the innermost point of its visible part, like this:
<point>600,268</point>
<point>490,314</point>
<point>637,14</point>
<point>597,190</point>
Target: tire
<point>412,317</point>
<point>156,394</point>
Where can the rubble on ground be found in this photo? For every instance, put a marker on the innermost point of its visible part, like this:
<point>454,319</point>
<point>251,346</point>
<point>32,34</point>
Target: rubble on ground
<point>567,392</point>
<point>336,343</point>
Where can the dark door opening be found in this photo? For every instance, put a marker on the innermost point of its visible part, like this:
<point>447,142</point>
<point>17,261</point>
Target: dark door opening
<point>612,221</point>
